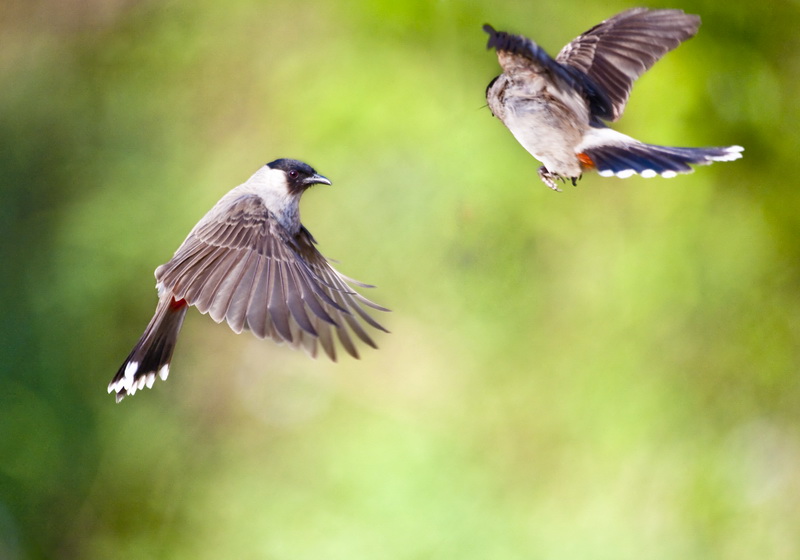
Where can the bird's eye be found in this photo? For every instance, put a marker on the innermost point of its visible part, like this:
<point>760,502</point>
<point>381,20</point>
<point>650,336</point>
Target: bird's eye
<point>293,174</point>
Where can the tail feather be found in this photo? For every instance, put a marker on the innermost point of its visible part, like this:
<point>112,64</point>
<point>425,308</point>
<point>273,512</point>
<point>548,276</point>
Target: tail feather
<point>152,354</point>
<point>624,160</point>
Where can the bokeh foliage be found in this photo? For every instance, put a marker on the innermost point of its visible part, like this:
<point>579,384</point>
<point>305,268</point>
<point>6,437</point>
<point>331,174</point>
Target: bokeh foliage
<point>611,372</point>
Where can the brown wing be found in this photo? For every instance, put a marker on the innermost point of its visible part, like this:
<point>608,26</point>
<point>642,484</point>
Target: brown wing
<point>617,51</point>
<point>239,264</point>
<point>518,55</point>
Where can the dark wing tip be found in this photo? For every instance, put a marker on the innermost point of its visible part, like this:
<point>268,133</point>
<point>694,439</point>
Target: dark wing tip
<point>492,42</point>
<point>503,41</point>
<point>514,44</point>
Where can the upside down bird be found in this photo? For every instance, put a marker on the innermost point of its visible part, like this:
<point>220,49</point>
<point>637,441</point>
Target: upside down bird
<point>249,261</point>
<point>556,107</point>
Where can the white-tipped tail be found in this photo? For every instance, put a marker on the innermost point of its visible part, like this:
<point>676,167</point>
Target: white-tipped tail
<point>152,354</point>
<point>612,153</point>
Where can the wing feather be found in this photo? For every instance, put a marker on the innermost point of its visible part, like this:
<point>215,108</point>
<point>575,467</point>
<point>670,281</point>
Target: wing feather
<point>236,312</point>
<point>241,265</point>
<point>256,311</point>
<point>210,283</point>
<point>617,51</point>
<point>277,307</point>
<point>294,299</point>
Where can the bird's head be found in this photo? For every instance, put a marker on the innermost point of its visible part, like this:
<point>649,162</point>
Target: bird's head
<point>298,175</point>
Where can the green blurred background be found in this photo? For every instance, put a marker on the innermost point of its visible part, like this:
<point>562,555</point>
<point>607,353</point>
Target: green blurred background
<point>606,373</point>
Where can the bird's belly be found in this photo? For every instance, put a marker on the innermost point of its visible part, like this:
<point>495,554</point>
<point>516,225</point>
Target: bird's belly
<point>548,132</point>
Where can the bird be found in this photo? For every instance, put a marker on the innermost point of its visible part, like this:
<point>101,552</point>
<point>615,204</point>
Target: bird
<point>556,108</point>
<point>251,262</point>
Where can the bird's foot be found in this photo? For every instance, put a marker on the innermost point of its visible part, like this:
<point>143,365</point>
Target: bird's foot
<point>548,178</point>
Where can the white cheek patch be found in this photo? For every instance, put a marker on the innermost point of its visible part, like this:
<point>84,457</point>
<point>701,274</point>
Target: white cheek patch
<point>269,183</point>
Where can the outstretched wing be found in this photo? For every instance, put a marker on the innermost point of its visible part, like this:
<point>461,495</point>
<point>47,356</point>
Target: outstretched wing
<point>241,265</point>
<point>615,52</point>
<point>522,58</point>
<point>518,54</point>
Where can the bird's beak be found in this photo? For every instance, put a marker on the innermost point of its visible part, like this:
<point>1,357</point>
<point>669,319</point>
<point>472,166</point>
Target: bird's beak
<point>317,180</point>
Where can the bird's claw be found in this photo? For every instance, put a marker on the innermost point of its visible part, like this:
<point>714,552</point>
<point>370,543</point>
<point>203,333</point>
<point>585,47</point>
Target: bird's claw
<point>548,178</point>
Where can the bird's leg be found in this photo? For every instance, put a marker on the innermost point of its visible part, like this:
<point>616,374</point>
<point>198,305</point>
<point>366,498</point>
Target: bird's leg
<point>547,178</point>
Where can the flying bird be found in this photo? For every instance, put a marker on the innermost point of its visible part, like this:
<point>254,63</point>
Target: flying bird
<point>556,107</point>
<point>250,262</point>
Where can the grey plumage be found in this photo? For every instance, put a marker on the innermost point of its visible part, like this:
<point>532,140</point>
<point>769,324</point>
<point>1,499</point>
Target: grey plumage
<point>619,50</point>
<point>556,107</point>
<point>250,262</point>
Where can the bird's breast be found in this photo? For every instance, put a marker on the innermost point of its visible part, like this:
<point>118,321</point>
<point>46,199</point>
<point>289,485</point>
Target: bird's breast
<point>548,126</point>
